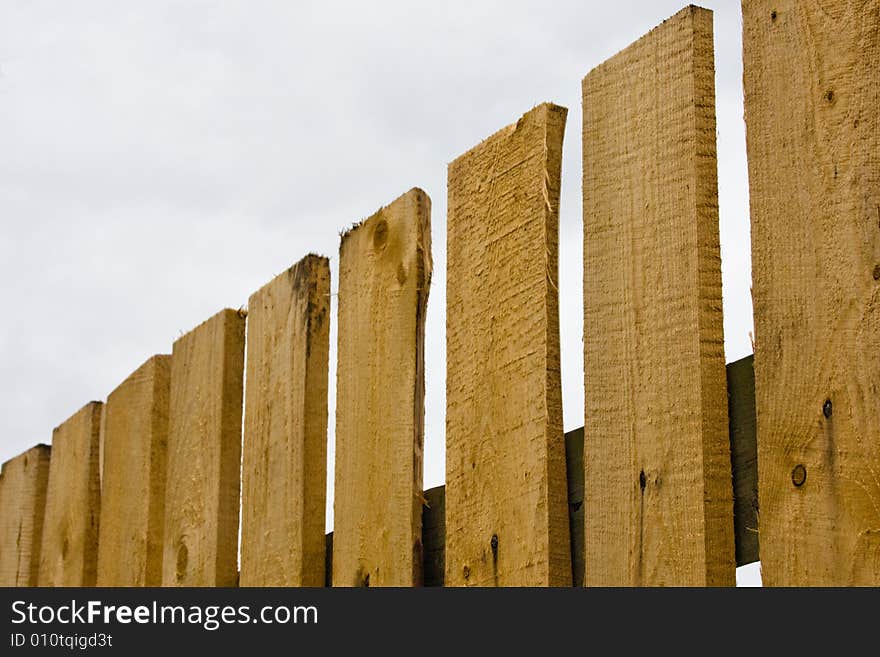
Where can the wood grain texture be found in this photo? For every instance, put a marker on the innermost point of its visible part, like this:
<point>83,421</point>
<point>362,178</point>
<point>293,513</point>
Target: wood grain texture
<point>506,510</point>
<point>384,277</point>
<point>658,493</point>
<point>812,105</point>
<point>200,542</point>
<point>135,442</point>
<point>23,482</point>
<point>284,476</point>
<point>744,458</point>
<point>69,550</point>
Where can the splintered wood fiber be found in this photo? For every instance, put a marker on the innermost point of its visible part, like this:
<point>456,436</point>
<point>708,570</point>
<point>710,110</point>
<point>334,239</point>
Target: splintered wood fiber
<point>384,277</point>
<point>506,507</point>
<point>285,432</point>
<point>135,440</point>
<point>812,108</point>
<point>657,472</point>
<point>200,540</point>
<point>23,482</point>
<point>69,551</point>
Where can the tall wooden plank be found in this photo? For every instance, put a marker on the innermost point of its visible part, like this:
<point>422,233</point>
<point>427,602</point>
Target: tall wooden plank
<point>384,276</point>
<point>69,549</point>
<point>658,494</point>
<point>506,510</point>
<point>200,541</point>
<point>812,105</point>
<point>23,482</point>
<point>285,431</point>
<point>135,440</point>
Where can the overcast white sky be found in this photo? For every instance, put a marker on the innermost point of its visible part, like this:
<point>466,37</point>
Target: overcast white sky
<point>160,161</point>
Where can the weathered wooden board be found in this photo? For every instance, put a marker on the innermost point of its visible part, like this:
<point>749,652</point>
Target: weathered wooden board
<point>658,494</point>
<point>200,539</point>
<point>69,550</point>
<point>284,476</point>
<point>384,276</point>
<point>506,511</point>
<point>812,108</point>
<point>135,440</point>
<point>23,482</point>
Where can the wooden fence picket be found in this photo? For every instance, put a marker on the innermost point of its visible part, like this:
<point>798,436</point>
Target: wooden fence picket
<point>506,510</point>
<point>384,277</point>
<point>23,481</point>
<point>200,539</point>
<point>658,494</point>
<point>69,549</point>
<point>135,441</point>
<point>284,473</point>
<point>812,109</point>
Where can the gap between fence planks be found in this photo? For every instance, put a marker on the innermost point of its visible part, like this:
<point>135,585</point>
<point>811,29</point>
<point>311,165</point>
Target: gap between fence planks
<point>658,499</point>
<point>812,109</point>
<point>135,440</point>
<point>200,543</point>
<point>69,549</point>
<point>506,512</point>
<point>285,430</point>
<point>23,481</point>
<point>384,277</point>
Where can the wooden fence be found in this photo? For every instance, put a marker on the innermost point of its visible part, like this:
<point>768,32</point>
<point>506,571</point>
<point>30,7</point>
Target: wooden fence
<point>676,463</point>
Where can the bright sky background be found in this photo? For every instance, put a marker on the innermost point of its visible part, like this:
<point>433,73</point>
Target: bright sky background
<point>162,160</point>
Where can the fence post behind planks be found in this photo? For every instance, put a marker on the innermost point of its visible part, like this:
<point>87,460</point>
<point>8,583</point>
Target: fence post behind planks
<point>434,536</point>
<point>506,510</point>
<point>658,495</point>
<point>384,277</point>
<point>135,440</point>
<point>743,457</point>
<point>23,482</point>
<point>69,549</point>
<point>285,431</point>
<point>200,542</point>
<point>812,107</point>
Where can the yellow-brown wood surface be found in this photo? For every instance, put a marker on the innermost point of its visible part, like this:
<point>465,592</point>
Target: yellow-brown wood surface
<point>506,508</point>
<point>812,107</point>
<point>384,277</point>
<point>69,551</point>
<point>200,540</point>
<point>135,440</point>
<point>658,493</point>
<point>23,481</point>
<point>285,431</point>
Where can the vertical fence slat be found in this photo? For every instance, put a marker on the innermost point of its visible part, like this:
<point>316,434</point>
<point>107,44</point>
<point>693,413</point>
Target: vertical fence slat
<point>506,511</point>
<point>135,438</point>
<point>200,542</point>
<point>285,432</point>
<point>812,107</point>
<point>69,550</point>
<point>23,482</point>
<point>658,496</point>
<point>384,276</point>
